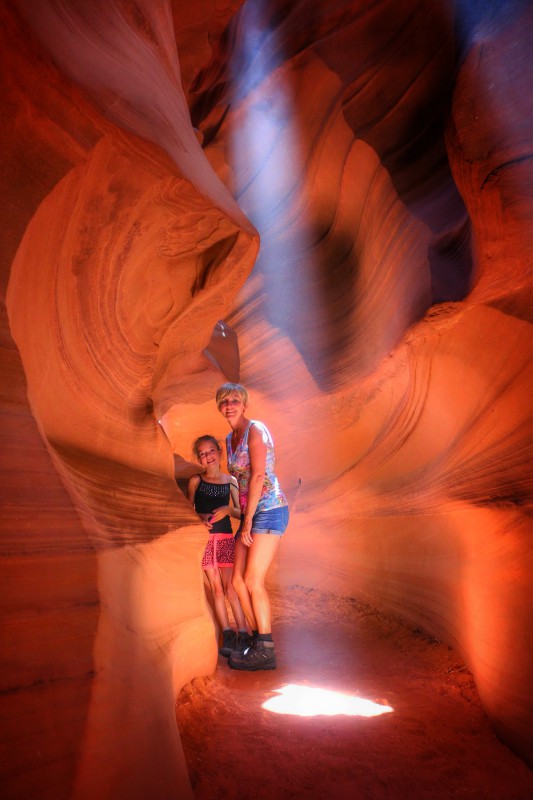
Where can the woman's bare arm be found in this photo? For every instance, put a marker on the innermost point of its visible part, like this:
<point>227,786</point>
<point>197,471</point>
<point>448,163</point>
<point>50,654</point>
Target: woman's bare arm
<point>258,452</point>
<point>235,509</point>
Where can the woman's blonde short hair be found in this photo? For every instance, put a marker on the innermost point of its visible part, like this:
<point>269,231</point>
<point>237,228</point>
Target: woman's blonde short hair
<point>228,389</point>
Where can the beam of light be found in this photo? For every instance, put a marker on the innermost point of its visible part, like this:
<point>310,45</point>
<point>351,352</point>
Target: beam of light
<point>309,701</point>
<point>267,156</point>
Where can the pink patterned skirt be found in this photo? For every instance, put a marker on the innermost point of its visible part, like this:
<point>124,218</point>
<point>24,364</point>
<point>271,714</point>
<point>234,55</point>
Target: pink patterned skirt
<point>219,550</point>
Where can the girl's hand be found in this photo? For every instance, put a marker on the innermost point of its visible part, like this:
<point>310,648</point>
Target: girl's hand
<point>219,513</point>
<point>206,519</point>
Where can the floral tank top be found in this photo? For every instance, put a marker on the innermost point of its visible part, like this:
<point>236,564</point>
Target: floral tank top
<point>239,466</point>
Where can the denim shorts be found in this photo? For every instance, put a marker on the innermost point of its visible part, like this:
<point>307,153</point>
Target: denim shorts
<point>274,521</point>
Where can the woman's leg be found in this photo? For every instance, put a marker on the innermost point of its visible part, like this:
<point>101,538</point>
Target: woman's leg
<point>219,598</point>
<point>233,597</point>
<point>239,566</point>
<point>262,551</point>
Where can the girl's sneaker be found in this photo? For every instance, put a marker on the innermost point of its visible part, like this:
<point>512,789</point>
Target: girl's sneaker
<point>229,642</point>
<point>244,642</point>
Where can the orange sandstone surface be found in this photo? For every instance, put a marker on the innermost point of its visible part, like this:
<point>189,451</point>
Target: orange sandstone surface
<point>330,202</point>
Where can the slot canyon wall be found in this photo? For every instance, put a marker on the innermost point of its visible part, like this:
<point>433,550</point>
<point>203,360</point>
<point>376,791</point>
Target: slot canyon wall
<point>381,154</point>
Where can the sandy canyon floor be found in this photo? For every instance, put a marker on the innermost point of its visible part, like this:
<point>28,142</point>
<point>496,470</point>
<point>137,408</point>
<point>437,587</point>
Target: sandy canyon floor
<point>436,742</point>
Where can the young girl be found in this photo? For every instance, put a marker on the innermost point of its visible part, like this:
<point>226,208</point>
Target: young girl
<point>215,496</point>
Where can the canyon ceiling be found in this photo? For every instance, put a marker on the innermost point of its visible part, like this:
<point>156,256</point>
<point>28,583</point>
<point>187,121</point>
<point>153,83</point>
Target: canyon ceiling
<point>329,201</point>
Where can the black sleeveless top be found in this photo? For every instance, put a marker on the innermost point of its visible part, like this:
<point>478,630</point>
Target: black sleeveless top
<point>209,496</point>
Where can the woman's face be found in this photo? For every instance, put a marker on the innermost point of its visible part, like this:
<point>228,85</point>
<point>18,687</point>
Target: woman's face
<point>208,454</point>
<point>232,408</point>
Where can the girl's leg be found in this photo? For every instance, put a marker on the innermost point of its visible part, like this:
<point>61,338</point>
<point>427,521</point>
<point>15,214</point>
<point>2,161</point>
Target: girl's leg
<point>259,559</point>
<point>233,597</point>
<point>219,598</point>
<point>239,566</point>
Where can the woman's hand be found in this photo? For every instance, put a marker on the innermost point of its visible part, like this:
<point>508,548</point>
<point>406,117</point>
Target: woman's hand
<point>246,534</point>
<point>206,519</point>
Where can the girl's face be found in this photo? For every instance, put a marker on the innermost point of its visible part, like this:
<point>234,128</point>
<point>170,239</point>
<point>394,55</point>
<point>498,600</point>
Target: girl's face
<point>208,454</point>
<point>232,407</point>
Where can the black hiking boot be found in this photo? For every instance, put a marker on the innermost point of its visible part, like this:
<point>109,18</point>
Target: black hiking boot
<point>261,655</point>
<point>229,642</point>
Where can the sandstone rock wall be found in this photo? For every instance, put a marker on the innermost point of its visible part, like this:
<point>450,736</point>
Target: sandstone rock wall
<point>113,241</point>
<point>383,153</point>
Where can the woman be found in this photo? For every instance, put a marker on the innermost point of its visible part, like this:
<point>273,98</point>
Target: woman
<point>264,518</point>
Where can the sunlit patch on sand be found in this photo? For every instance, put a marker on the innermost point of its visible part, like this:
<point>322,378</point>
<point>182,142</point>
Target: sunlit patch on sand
<point>308,701</point>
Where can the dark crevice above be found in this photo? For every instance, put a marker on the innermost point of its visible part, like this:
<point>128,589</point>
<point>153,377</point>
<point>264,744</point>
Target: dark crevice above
<point>223,351</point>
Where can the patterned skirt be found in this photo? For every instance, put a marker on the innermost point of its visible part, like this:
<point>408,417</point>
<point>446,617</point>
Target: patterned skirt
<point>219,550</point>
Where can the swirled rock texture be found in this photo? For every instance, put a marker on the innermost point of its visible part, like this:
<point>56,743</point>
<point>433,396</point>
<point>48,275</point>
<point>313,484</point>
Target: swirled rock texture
<point>382,151</point>
<point>117,236</point>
